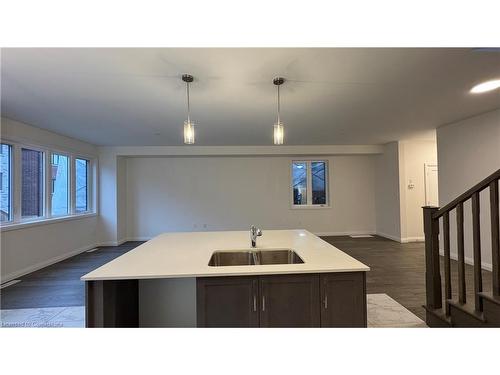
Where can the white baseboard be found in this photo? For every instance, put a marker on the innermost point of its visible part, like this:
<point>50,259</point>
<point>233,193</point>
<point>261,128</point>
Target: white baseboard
<point>412,239</point>
<point>111,243</point>
<point>385,235</point>
<point>138,239</point>
<point>343,233</point>
<point>389,236</point>
<point>36,267</point>
<point>401,239</point>
<point>469,261</point>
<point>123,240</point>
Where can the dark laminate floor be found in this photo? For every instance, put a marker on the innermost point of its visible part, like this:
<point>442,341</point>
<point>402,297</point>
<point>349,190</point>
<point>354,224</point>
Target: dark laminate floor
<point>399,269</point>
<point>59,284</point>
<point>396,269</point>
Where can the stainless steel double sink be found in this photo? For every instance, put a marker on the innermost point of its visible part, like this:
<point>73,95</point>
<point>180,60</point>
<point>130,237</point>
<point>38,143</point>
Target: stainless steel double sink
<point>254,257</point>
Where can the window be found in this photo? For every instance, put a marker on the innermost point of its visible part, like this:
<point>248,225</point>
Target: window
<point>5,183</point>
<point>309,183</point>
<point>59,185</point>
<point>32,181</point>
<point>318,181</point>
<point>82,167</point>
<point>299,183</point>
<point>43,183</point>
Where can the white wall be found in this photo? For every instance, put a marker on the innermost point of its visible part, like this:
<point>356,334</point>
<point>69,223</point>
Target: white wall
<point>121,209</point>
<point>469,151</point>
<point>231,193</point>
<point>413,156</point>
<point>27,249</point>
<point>112,200</point>
<point>388,215</point>
<point>398,208</point>
<point>21,132</point>
<point>107,228</point>
<point>113,190</point>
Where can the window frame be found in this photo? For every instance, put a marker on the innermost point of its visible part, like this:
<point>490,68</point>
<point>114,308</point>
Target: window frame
<point>16,176</point>
<point>44,182</point>
<point>49,184</point>
<point>309,205</point>
<point>90,186</point>
<point>11,183</point>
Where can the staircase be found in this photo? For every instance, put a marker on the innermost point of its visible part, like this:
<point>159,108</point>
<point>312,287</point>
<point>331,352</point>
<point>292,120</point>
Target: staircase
<point>484,310</point>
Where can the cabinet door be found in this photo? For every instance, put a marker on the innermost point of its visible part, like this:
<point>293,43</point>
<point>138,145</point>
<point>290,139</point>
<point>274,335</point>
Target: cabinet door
<point>227,301</point>
<point>343,299</point>
<point>289,301</point>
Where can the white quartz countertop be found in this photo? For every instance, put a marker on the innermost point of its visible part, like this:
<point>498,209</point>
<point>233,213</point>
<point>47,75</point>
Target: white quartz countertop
<point>175,255</point>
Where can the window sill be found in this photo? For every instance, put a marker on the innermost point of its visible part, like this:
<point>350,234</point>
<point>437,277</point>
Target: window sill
<point>34,223</point>
<point>310,207</point>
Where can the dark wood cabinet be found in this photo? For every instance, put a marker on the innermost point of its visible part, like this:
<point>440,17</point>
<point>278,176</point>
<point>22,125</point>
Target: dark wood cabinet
<point>298,300</point>
<point>289,301</point>
<point>343,299</point>
<point>227,301</point>
<point>293,300</point>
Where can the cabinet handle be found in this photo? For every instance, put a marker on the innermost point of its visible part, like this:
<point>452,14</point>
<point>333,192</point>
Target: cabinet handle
<point>325,301</point>
<point>263,303</point>
<point>254,302</point>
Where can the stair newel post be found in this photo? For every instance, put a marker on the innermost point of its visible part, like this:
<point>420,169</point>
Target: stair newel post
<point>432,273</point>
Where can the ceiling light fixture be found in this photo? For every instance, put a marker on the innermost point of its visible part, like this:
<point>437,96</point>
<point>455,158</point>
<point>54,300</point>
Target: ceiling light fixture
<point>188,125</point>
<point>486,86</point>
<point>278,126</point>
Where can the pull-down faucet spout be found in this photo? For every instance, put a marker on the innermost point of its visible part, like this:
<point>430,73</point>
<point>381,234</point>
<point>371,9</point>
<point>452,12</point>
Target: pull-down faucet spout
<point>254,233</point>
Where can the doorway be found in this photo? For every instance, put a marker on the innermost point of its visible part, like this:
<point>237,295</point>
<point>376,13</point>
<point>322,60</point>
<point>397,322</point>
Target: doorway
<point>431,185</point>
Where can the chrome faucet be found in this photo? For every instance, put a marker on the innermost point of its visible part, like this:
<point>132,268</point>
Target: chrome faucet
<point>254,233</point>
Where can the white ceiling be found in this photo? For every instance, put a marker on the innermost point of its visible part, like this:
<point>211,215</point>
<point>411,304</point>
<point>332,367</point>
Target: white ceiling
<point>332,96</point>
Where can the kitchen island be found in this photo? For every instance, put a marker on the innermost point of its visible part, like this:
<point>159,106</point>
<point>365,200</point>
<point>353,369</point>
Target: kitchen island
<point>168,282</point>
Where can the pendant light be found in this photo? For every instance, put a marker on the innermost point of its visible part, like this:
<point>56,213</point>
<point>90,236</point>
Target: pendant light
<point>278,131</point>
<point>188,125</point>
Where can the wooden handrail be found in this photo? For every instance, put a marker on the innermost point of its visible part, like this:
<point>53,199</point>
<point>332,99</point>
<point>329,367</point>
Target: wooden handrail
<point>431,217</point>
<point>468,194</point>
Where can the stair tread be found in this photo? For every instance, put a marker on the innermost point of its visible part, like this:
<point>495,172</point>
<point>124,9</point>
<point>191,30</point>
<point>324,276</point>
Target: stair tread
<point>468,308</point>
<point>440,313</point>
<point>489,296</point>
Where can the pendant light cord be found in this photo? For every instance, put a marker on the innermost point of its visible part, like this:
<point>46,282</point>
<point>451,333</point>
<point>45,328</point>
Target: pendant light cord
<point>278,104</point>
<point>188,108</point>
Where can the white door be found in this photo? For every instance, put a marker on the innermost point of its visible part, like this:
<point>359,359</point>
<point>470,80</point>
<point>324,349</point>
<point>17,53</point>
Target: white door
<point>431,185</point>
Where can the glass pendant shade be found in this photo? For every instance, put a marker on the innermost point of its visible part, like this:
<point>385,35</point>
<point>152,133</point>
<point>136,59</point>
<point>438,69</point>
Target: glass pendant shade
<point>188,125</point>
<point>188,132</point>
<point>278,128</point>
<point>278,133</point>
